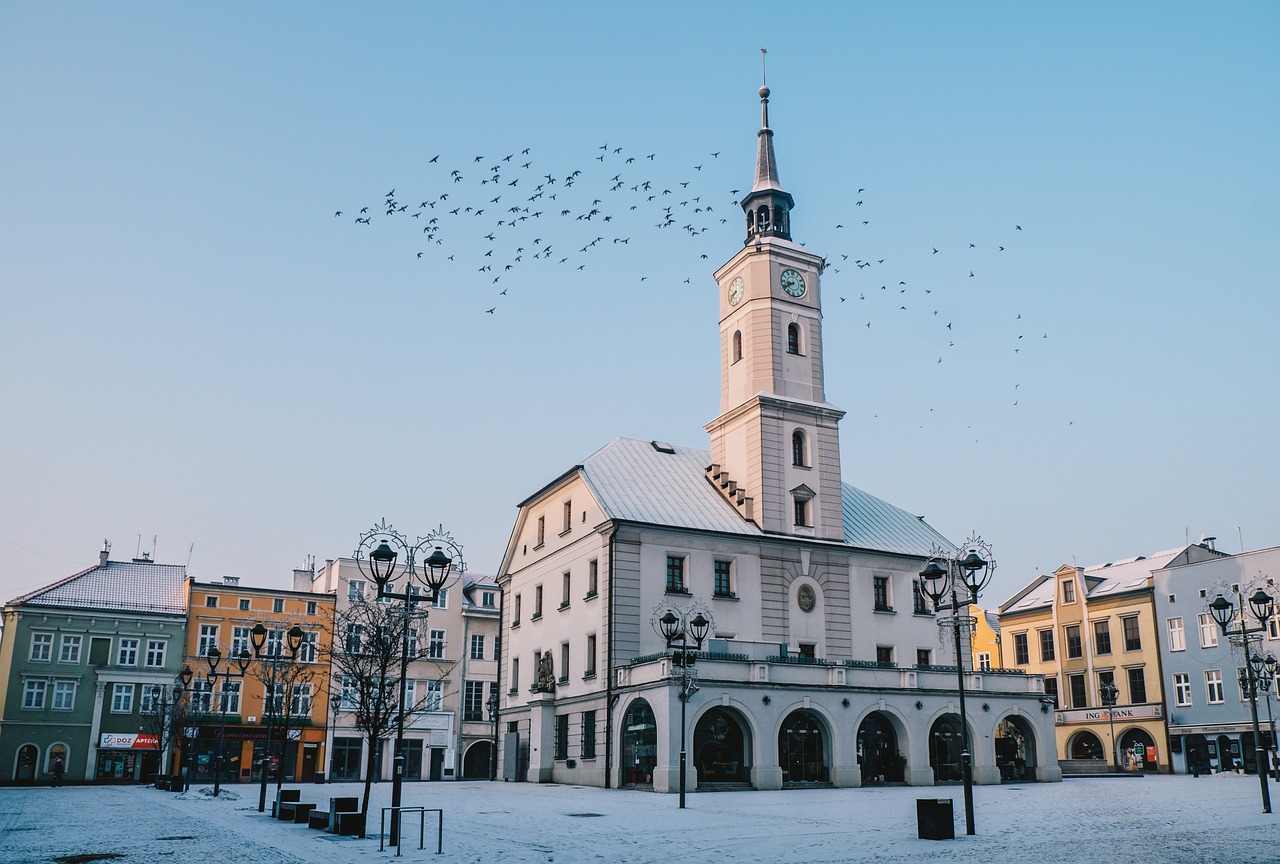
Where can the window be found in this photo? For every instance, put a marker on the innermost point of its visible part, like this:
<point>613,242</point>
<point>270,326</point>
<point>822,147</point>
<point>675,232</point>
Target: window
<point>1075,645</point>
<point>70,650</point>
<point>201,692</point>
<point>923,656</point>
<point>1132,638</point>
<point>41,647</point>
<point>793,338</point>
<point>277,604</point>
<point>1021,653</point>
<point>239,640</point>
<point>477,646</point>
<point>64,695</point>
<point>355,590</point>
<point>802,512</point>
<point>229,697</point>
<point>442,599</point>
<point>121,698</point>
<point>589,666</point>
<point>1101,637</point>
<point>588,734</point>
<point>1079,696</point>
<point>1046,646</point>
<point>208,639</point>
<point>984,661</point>
<point>542,531</point>
<point>211,601</point>
<point>309,649</point>
<point>274,646</point>
<point>1105,679</point>
<point>737,345</point>
<point>808,650</point>
<point>515,675</point>
<point>353,639</point>
<point>1208,631</point>
<point>884,653</point>
<point>1177,638</point>
<point>1068,591</point>
<point>797,448</point>
<point>127,653</point>
<point>350,692</point>
<point>435,647</point>
<point>564,662</point>
<point>1137,686</point>
<point>919,603</point>
<point>33,694</point>
<point>1182,689</point>
<point>155,653</point>
<point>880,593</point>
<point>1213,686</point>
<point>473,700</point>
<point>675,573</point>
<point>300,700</point>
<point>562,736</point>
<point>311,607</point>
<point>1273,627</point>
<point>537,602</point>
<point>1051,688</point>
<point>486,599</point>
<point>568,516</point>
<point>244,604</point>
<point>723,583</point>
<point>566,583</point>
<point>593,577</point>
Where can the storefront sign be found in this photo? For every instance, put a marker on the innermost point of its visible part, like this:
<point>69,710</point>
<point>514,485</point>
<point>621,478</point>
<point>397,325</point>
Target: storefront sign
<point>1100,715</point>
<point>129,741</point>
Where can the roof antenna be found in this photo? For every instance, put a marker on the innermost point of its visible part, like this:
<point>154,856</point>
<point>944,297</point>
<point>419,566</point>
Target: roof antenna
<point>190,549</point>
<point>1240,537</point>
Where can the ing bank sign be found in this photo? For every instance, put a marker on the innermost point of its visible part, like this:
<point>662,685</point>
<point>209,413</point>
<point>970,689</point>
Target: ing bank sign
<point>1103,715</point>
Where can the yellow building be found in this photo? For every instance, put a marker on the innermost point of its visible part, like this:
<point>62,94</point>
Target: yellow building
<point>1089,632</point>
<point>988,651</point>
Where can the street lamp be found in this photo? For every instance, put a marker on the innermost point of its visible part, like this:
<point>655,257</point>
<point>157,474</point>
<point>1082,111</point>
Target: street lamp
<point>335,703</point>
<point>214,658</point>
<point>1224,611</point>
<point>492,704</point>
<point>1264,671</point>
<point>394,556</point>
<point>168,714</point>
<point>944,573</point>
<point>259,638</point>
<point>1110,694</point>
<point>678,629</point>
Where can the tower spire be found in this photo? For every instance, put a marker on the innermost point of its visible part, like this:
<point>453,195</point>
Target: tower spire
<point>768,205</point>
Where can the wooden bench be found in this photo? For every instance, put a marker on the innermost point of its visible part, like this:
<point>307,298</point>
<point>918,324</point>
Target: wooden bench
<point>285,796</point>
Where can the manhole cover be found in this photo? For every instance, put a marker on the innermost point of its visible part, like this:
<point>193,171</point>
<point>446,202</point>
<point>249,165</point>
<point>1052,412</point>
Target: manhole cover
<point>584,815</point>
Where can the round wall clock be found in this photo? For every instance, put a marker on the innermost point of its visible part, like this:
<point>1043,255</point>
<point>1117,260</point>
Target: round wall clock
<point>735,291</point>
<point>792,282</point>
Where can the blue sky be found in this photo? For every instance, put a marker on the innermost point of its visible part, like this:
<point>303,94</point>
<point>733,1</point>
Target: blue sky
<point>196,349</point>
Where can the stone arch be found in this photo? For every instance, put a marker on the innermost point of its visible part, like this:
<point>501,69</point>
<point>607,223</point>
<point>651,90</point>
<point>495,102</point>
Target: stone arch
<point>638,745</point>
<point>723,746</point>
<point>881,743</point>
<point>1128,760</point>
<point>806,748</point>
<point>945,746</point>
<point>26,763</point>
<point>1085,745</point>
<point>1016,746</point>
<point>477,762</point>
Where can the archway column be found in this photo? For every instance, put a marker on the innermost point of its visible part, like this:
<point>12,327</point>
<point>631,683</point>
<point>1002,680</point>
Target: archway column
<point>542,737</point>
<point>666,710</point>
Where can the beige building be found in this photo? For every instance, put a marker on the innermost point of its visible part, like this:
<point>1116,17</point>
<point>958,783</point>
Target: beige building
<point>1085,629</point>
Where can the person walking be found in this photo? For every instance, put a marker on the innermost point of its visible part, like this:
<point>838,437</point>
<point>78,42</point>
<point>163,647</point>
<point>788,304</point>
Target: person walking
<point>57,771</point>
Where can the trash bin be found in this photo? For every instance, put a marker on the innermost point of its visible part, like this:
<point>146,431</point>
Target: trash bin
<point>319,777</point>
<point>935,819</point>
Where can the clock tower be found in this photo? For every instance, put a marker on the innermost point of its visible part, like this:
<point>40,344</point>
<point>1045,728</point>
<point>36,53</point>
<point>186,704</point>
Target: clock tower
<point>775,448</point>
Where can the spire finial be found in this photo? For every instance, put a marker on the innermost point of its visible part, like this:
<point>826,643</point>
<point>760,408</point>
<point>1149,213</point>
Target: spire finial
<point>764,93</point>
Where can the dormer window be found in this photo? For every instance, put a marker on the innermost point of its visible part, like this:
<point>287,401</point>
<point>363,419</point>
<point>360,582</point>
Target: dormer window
<point>793,338</point>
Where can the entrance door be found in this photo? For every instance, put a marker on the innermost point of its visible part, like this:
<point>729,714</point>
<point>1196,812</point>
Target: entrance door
<point>437,763</point>
<point>802,750</point>
<point>413,759</point>
<point>26,768</point>
<point>308,763</point>
<point>878,751</point>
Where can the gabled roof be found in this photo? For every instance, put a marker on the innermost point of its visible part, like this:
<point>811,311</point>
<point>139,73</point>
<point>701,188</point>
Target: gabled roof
<point>117,586</point>
<point>1101,580</point>
<point>635,481</point>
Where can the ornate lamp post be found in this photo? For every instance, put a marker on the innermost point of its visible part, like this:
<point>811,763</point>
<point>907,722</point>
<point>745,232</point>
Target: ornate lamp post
<point>394,556</point>
<point>678,629</point>
<point>335,703</point>
<point>1224,612</point>
<point>1110,694</point>
<point>168,713</point>
<point>492,704</point>
<point>259,638</point>
<point>1264,671</point>
<point>214,659</point>
<point>941,577</point>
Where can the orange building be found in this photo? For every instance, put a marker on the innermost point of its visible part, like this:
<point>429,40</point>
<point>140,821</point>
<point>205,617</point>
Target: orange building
<point>234,725</point>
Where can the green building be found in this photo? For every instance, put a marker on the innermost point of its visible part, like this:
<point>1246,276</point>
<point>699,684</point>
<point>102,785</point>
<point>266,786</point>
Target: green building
<point>78,660</point>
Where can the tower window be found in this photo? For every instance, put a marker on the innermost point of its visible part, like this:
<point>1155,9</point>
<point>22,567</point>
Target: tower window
<point>793,338</point>
<point>798,448</point>
<point>802,513</point>
<point>737,345</point>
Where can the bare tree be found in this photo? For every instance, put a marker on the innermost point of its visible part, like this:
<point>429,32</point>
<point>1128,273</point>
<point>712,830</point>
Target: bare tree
<point>289,686</point>
<point>366,663</point>
<point>167,719</point>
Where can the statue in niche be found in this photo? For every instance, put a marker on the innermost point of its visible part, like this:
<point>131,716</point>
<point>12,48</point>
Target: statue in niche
<point>546,675</point>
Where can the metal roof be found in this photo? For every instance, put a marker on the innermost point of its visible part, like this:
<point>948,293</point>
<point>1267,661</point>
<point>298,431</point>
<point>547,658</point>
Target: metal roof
<point>1128,574</point>
<point>634,481</point>
<point>117,586</point>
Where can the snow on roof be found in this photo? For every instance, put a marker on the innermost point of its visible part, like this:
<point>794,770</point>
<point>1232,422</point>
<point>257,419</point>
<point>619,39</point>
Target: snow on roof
<point>117,585</point>
<point>636,481</point>
<point>1128,574</point>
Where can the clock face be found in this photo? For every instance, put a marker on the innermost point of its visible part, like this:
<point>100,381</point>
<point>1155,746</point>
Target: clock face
<point>792,282</point>
<point>735,291</point>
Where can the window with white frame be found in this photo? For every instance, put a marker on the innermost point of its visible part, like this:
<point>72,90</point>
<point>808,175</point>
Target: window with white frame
<point>229,696</point>
<point>239,640</point>
<point>589,667</point>
<point>984,661</point>
<point>201,697</point>
<point>1213,686</point>
<point>1208,630</point>
<point>442,599</point>
<point>477,646</point>
<point>121,698</point>
<point>1273,627</point>
<point>300,700</point>
<point>593,577</point>
<point>208,639</point>
<point>277,604</point>
<point>350,692</point>
<point>1177,637</point>
<point>41,647</point>
<point>411,694</point>
<point>70,651</point>
<point>435,647</point>
<point>274,646</point>
<point>411,634</point>
<point>355,590</point>
<point>1182,689</point>
<point>273,695</point>
<point>309,648</point>
<point>435,695</point>
<point>353,639</point>
<point>312,606</point>
<point>33,694</point>
<point>127,652</point>
<point>155,653</point>
<point>64,695</point>
<point>244,604</point>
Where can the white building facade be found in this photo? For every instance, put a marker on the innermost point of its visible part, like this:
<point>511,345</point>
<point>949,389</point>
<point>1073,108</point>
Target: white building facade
<point>824,665</point>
